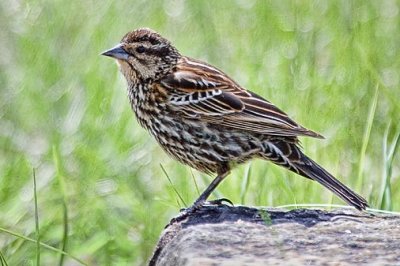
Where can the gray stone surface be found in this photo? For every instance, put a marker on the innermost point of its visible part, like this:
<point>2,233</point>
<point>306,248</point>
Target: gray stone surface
<point>225,235</point>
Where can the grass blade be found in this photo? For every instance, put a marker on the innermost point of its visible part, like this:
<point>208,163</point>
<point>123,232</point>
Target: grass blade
<point>195,182</point>
<point>61,181</point>
<point>3,260</point>
<point>172,185</point>
<point>36,220</point>
<point>42,244</point>
<point>245,184</point>
<point>385,199</point>
<point>367,134</point>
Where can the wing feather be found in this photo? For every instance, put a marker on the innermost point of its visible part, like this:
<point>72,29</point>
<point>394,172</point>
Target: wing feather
<point>200,90</point>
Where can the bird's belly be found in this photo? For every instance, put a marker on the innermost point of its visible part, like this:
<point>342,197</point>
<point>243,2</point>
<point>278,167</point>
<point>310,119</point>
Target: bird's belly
<point>201,145</point>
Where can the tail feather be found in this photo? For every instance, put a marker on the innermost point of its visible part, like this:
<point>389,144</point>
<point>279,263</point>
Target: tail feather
<point>311,169</point>
<point>290,156</point>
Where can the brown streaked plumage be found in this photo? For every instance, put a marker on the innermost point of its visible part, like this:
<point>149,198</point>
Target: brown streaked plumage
<point>204,119</point>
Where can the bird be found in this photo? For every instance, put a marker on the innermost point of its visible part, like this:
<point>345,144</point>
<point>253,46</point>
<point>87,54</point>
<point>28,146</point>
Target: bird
<point>204,119</point>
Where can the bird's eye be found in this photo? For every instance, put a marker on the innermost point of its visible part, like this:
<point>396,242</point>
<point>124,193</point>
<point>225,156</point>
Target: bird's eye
<point>140,49</point>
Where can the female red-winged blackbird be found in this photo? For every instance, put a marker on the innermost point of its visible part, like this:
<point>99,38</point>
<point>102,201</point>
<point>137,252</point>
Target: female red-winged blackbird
<point>204,119</point>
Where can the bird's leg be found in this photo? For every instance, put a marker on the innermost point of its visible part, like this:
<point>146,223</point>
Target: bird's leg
<point>202,199</point>
<point>206,193</point>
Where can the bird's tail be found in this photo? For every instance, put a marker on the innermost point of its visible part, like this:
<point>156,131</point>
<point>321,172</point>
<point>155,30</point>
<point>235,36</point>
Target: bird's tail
<point>314,171</point>
<point>293,159</point>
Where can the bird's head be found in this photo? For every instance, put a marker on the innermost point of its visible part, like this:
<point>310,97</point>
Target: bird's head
<point>144,55</point>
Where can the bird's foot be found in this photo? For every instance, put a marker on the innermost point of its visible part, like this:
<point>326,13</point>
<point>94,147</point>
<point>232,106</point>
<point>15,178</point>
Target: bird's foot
<point>184,213</point>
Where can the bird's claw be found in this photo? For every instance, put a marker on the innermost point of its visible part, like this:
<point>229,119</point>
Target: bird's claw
<point>220,202</point>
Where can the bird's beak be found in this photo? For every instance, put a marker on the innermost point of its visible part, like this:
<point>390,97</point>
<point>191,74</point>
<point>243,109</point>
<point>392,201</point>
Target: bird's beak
<point>117,52</point>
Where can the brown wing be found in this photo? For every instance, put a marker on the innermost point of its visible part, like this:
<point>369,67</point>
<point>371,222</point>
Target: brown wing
<point>199,90</point>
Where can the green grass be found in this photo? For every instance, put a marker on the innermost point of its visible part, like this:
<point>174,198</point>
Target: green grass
<point>102,196</point>
<point>36,220</point>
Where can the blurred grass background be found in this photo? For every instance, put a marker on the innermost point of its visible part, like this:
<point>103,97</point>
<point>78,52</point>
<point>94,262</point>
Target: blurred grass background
<point>332,65</point>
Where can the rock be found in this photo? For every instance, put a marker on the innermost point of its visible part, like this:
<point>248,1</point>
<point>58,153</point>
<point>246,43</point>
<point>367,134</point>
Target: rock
<point>225,235</point>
